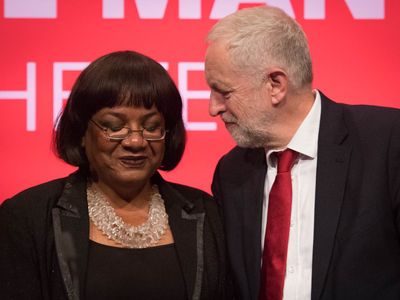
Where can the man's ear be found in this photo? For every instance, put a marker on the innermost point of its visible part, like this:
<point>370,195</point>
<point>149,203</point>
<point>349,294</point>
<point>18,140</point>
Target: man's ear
<point>278,84</point>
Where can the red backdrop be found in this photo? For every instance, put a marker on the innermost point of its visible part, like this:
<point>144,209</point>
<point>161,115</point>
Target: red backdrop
<point>355,45</point>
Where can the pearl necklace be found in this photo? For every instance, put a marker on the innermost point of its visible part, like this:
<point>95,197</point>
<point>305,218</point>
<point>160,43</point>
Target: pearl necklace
<point>111,225</point>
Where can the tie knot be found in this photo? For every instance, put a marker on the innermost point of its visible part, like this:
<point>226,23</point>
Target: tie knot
<point>285,160</point>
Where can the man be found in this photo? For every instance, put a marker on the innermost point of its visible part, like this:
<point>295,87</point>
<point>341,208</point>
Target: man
<point>344,185</point>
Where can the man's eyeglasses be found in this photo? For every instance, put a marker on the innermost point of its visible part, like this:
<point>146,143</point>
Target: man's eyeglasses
<point>120,133</point>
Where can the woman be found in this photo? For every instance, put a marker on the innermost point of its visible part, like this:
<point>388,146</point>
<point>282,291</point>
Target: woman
<point>115,229</point>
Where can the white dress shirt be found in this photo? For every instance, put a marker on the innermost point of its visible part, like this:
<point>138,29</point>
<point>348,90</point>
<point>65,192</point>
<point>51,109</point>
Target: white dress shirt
<point>300,249</point>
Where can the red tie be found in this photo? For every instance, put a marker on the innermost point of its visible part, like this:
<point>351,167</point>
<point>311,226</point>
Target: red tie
<point>277,231</point>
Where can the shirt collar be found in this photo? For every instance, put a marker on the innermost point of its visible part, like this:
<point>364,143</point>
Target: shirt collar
<point>305,140</point>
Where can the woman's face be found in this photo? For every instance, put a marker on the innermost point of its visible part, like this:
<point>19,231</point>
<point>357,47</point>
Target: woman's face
<point>129,161</point>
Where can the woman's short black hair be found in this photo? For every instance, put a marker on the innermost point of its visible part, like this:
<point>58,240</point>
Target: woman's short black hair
<point>120,78</point>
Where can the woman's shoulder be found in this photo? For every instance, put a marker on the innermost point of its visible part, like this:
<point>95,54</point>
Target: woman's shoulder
<point>187,190</point>
<point>196,199</point>
<point>28,210</point>
<point>38,196</point>
<point>189,194</point>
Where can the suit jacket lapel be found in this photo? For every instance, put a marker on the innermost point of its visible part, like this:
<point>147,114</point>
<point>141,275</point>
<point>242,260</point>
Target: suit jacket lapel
<point>333,159</point>
<point>71,231</point>
<point>253,191</point>
<point>187,223</point>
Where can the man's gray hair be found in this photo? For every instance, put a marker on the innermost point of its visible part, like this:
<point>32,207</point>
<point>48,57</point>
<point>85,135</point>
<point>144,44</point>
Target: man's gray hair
<point>260,37</point>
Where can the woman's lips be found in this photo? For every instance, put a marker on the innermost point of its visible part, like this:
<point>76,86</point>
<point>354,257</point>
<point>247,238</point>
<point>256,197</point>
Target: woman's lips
<point>133,161</point>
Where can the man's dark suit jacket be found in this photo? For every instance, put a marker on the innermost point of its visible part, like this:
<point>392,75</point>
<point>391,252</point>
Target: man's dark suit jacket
<point>356,251</point>
<point>44,240</point>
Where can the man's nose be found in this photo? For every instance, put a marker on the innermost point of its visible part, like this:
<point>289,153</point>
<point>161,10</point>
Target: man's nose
<point>216,105</point>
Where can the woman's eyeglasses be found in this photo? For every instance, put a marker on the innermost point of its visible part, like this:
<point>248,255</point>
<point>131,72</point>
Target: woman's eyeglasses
<point>120,133</point>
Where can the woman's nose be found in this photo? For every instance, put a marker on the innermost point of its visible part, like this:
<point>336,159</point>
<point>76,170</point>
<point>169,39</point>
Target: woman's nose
<point>135,138</point>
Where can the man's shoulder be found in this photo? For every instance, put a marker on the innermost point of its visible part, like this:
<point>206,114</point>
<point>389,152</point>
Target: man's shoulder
<point>240,162</point>
<point>243,155</point>
<point>362,119</point>
<point>371,120</point>
<point>375,111</point>
<point>362,111</point>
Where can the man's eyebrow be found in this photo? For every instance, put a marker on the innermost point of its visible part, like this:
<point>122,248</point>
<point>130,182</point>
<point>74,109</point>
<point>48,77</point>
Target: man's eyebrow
<point>215,87</point>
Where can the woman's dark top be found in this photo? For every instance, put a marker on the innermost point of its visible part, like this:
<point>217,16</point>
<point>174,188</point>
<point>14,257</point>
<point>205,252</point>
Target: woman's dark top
<point>123,273</point>
<point>44,244</point>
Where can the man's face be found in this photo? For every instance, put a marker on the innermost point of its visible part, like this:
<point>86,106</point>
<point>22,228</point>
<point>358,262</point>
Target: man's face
<point>243,105</point>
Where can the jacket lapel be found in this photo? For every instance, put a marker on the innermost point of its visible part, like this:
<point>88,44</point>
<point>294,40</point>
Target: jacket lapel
<point>333,160</point>
<point>187,224</point>
<point>253,191</point>
<point>71,231</point>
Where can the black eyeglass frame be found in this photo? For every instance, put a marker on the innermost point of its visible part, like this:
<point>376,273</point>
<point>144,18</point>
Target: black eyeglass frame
<point>130,131</point>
